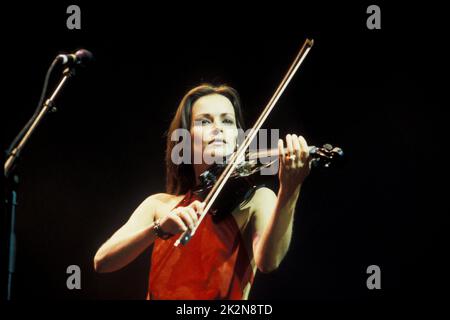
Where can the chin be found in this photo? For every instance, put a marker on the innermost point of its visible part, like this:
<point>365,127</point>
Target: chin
<point>217,152</point>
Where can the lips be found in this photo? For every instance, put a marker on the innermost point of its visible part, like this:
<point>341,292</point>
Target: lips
<point>218,141</point>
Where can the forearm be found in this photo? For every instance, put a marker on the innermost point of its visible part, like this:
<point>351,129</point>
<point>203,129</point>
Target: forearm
<point>275,239</point>
<point>117,252</point>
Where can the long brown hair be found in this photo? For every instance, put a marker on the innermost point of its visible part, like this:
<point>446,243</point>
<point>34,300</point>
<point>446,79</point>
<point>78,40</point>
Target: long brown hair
<point>180,178</point>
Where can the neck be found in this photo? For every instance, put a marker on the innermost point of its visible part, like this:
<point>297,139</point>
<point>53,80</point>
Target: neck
<point>200,168</point>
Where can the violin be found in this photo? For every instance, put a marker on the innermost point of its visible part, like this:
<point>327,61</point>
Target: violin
<point>242,181</point>
<point>324,156</point>
<point>224,186</point>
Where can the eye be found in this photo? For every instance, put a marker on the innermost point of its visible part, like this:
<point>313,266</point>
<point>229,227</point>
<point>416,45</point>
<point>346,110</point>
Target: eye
<point>228,121</point>
<point>202,121</point>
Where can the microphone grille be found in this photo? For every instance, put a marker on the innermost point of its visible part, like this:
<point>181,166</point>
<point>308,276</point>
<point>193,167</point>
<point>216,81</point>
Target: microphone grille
<point>84,56</point>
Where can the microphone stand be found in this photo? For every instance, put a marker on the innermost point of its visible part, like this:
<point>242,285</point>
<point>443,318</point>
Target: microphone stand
<point>12,180</point>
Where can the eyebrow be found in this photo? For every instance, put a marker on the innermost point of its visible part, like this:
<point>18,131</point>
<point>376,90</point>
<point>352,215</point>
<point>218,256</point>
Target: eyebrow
<point>209,114</point>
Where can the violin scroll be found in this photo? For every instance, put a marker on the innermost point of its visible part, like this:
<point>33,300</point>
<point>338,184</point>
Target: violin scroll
<point>326,156</point>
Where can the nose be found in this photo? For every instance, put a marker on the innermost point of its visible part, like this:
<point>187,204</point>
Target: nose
<point>217,129</point>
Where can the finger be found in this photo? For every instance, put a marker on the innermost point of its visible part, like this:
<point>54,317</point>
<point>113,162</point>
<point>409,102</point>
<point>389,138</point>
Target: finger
<point>289,145</point>
<point>197,206</point>
<point>192,214</point>
<point>179,222</point>
<point>281,152</point>
<point>187,219</point>
<point>305,149</point>
<point>297,149</point>
<point>176,211</point>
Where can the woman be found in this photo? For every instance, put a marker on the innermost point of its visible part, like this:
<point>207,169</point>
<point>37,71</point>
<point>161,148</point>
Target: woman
<point>221,259</point>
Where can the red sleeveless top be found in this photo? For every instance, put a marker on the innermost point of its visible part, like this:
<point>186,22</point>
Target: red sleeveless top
<point>214,264</point>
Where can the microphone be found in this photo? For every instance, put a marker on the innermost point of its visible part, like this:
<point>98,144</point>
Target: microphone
<point>79,58</point>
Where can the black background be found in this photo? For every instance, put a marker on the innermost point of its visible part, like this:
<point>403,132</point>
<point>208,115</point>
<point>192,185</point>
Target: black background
<point>379,94</point>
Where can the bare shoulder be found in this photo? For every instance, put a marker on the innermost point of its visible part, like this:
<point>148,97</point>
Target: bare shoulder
<point>263,195</point>
<point>262,205</point>
<point>164,198</point>
<point>263,198</point>
<point>152,207</point>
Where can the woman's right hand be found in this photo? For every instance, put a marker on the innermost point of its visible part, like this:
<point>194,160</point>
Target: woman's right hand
<point>182,218</point>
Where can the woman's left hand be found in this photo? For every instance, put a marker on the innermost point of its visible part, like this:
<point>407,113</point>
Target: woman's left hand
<point>295,162</point>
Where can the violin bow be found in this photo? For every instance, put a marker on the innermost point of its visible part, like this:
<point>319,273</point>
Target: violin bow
<point>231,166</point>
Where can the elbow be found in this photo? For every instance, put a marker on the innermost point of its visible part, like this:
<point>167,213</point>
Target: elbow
<point>99,264</point>
<point>268,267</point>
<point>266,264</point>
<point>98,267</point>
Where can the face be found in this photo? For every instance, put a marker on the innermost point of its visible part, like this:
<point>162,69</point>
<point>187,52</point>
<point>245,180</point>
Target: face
<point>213,128</point>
